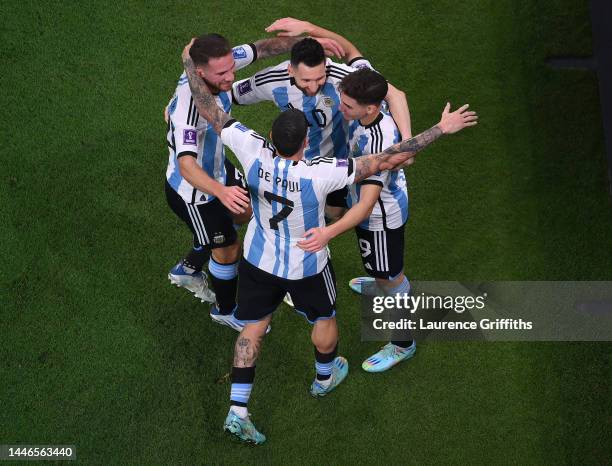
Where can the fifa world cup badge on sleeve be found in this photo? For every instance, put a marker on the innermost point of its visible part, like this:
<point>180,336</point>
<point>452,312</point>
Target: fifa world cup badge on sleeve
<point>341,163</point>
<point>244,87</point>
<point>239,52</point>
<point>189,137</point>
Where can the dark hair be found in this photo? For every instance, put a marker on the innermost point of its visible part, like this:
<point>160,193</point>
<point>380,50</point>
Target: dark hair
<point>307,51</point>
<point>209,46</point>
<point>289,131</point>
<point>366,86</point>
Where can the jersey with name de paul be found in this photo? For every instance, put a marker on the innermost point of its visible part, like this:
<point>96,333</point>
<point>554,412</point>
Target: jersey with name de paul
<point>190,135</point>
<point>288,198</point>
<point>327,129</point>
<point>391,209</point>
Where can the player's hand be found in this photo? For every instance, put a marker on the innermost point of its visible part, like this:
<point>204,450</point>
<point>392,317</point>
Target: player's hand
<point>331,47</point>
<point>457,120</point>
<point>289,27</point>
<point>314,239</point>
<point>185,54</point>
<point>234,198</point>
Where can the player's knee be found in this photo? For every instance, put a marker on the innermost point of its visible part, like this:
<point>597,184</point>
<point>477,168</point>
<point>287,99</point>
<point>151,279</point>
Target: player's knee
<point>255,330</point>
<point>228,254</point>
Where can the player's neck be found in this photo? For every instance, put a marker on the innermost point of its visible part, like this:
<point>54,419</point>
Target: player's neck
<point>368,120</point>
<point>297,156</point>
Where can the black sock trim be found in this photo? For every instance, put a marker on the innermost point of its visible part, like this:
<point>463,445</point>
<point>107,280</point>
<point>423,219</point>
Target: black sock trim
<point>402,344</point>
<point>325,358</point>
<point>243,374</point>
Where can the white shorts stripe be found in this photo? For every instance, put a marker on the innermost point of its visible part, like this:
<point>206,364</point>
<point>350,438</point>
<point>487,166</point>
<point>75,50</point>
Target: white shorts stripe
<point>196,227</point>
<point>198,224</point>
<point>376,249</point>
<point>199,217</point>
<point>379,259</point>
<point>328,286</point>
<point>331,281</point>
<point>385,258</point>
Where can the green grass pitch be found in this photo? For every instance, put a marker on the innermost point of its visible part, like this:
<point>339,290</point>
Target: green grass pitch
<point>98,350</point>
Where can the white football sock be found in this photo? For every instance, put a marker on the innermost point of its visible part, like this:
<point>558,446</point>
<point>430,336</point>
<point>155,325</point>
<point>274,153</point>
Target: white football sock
<point>240,411</point>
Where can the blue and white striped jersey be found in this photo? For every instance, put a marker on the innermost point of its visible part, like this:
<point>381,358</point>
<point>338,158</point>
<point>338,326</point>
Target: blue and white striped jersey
<point>288,198</point>
<point>391,210</point>
<point>190,135</point>
<point>327,129</point>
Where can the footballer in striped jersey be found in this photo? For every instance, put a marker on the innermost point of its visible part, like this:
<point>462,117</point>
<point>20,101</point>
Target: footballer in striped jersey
<point>288,195</point>
<point>378,205</point>
<point>309,82</point>
<point>202,187</point>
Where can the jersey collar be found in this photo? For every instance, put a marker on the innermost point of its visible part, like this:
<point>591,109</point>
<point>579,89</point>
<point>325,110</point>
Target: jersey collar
<point>375,122</point>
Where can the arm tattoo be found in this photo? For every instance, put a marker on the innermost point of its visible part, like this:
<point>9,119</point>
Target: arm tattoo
<point>203,99</point>
<point>363,167</point>
<point>394,155</point>
<point>275,46</point>
<point>415,144</point>
<point>246,352</point>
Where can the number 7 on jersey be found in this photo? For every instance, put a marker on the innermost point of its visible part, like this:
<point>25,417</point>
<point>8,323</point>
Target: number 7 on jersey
<point>284,212</point>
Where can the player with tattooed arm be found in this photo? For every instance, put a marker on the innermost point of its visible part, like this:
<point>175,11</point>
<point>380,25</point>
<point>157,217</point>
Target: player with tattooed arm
<point>288,197</point>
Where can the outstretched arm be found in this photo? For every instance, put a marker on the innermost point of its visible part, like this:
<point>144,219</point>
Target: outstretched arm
<point>399,153</point>
<point>202,98</point>
<point>294,27</point>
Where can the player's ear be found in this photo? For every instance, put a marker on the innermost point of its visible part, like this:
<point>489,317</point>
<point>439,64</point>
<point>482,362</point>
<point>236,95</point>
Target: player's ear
<point>290,70</point>
<point>200,71</point>
<point>305,144</point>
